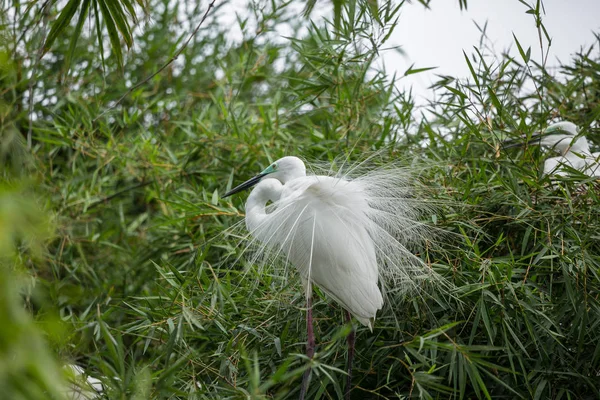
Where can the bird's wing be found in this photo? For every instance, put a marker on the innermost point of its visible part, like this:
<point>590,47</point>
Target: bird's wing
<point>322,229</point>
<point>587,164</point>
<point>552,165</point>
<point>594,165</point>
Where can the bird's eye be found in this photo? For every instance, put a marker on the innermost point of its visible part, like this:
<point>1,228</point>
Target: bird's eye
<point>274,165</point>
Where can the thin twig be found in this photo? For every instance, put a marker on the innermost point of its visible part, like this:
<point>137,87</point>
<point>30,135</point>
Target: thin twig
<point>28,27</point>
<point>45,11</point>
<point>120,192</point>
<point>177,54</point>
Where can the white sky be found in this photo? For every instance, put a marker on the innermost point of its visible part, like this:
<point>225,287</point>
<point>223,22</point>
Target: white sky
<point>437,37</point>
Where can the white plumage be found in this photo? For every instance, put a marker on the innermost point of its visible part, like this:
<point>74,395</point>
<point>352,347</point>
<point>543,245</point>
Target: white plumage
<point>574,151</point>
<point>343,235</point>
<point>348,236</point>
<point>81,385</point>
<point>326,238</point>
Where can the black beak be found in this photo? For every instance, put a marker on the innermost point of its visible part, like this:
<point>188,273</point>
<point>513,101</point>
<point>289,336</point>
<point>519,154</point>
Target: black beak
<point>246,185</point>
<point>521,141</point>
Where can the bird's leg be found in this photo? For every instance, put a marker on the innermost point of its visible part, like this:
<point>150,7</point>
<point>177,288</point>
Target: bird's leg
<point>310,347</point>
<point>310,344</point>
<point>351,340</point>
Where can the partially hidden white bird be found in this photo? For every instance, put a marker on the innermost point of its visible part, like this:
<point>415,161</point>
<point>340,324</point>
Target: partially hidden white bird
<point>81,385</point>
<point>563,137</point>
<point>348,236</point>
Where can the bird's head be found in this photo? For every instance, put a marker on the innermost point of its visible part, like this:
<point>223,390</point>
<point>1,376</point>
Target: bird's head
<point>558,137</point>
<point>285,169</point>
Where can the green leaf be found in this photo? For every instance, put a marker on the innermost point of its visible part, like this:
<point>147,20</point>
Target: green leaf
<point>112,32</point>
<point>456,92</point>
<point>412,70</point>
<point>82,16</point>
<point>130,9</point>
<point>99,33</point>
<point>473,74</point>
<point>524,55</point>
<point>61,23</point>
<point>120,19</point>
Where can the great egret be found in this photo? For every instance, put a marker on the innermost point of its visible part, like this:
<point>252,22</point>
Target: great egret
<point>81,385</point>
<point>344,235</point>
<point>562,137</point>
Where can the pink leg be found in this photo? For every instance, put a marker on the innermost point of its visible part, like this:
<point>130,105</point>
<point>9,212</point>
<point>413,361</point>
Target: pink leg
<point>310,347</point>
<point>351,340</point>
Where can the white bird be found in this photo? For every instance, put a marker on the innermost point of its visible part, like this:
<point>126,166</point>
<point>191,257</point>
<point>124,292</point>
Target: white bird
<point>563,138</point>
<point>81,385</point>
<point>348,236</point>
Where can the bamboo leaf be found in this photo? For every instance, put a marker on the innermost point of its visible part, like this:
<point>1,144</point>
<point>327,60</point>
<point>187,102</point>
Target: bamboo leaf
<point>120,19</point>
<point>61,23</point>
<point>411,70</point>
<point>82,16</point>
<point>99,33</point>
<point>112,31</point>
<point>524,55</point>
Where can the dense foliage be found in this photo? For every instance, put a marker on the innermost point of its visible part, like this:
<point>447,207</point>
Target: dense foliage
<point>112,250</point>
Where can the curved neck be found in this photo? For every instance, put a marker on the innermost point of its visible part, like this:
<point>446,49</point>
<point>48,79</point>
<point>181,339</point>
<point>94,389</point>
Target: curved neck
<point>267,190</point>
